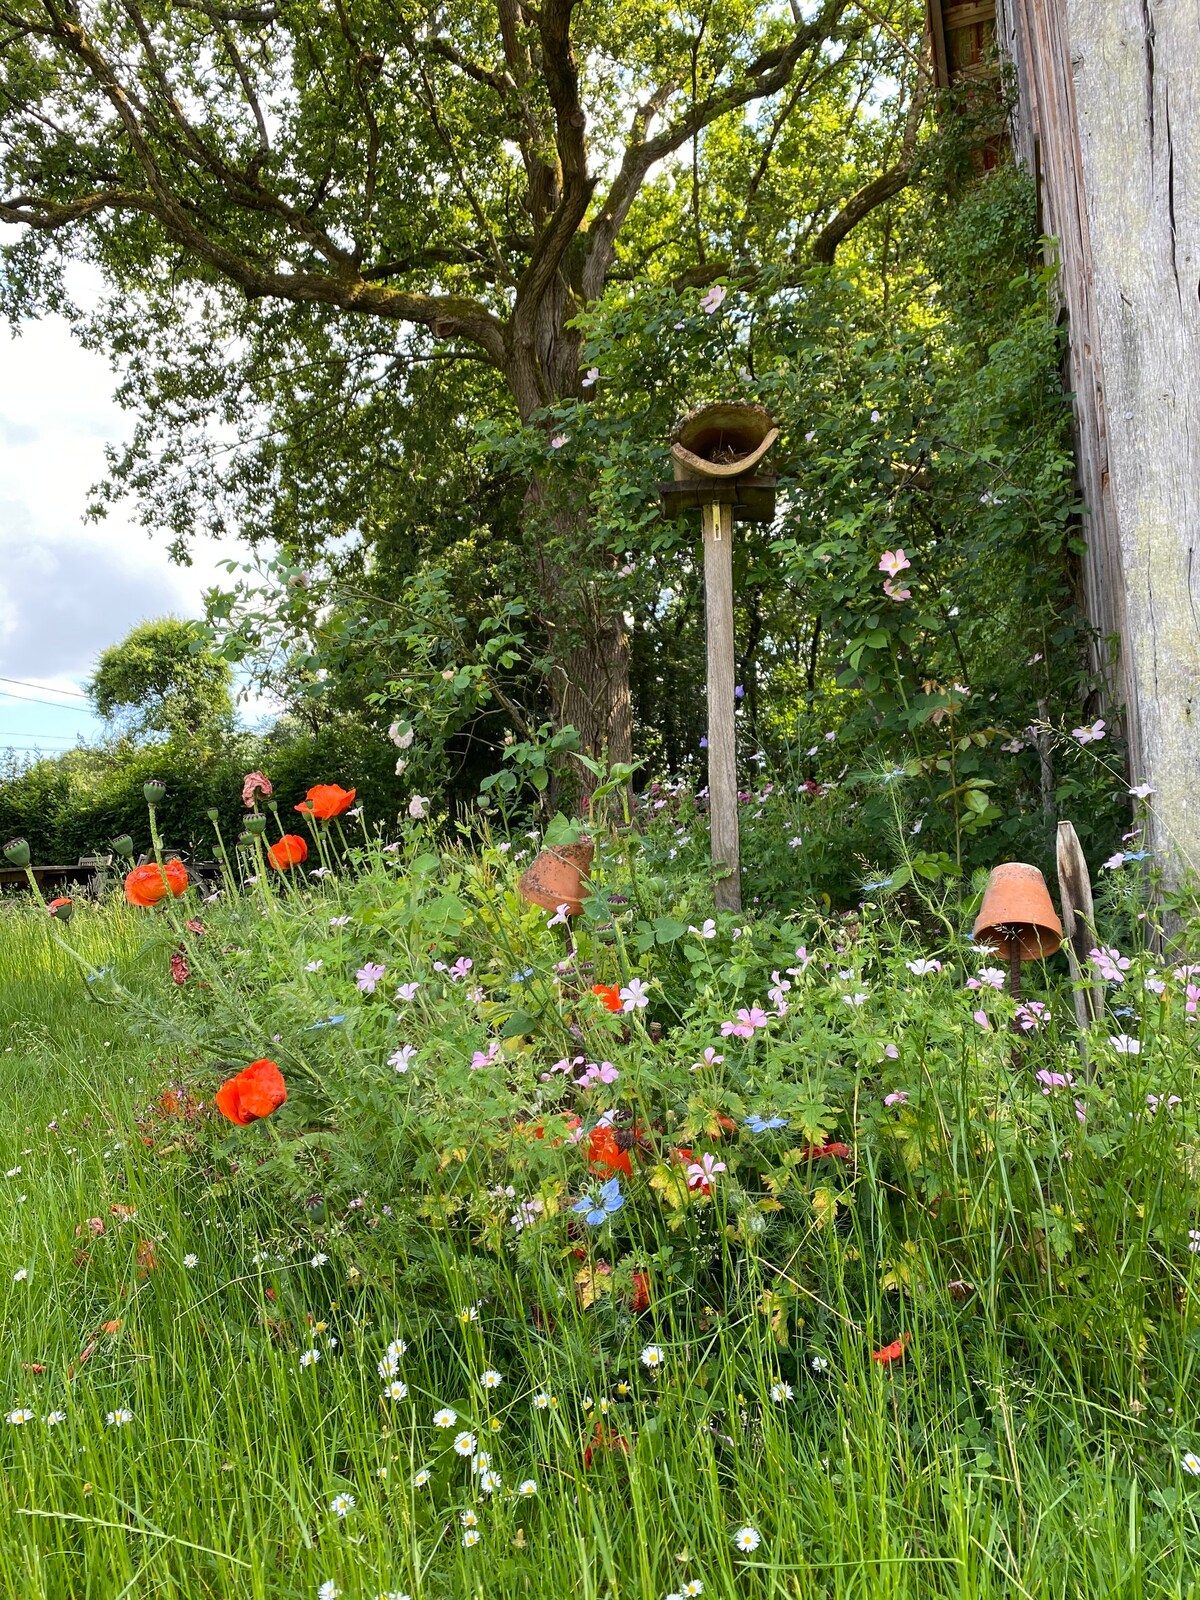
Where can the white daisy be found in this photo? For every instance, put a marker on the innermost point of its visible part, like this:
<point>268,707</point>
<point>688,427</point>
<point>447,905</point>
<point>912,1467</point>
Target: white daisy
<point>309,1358</point>
<point>528,1487</point>
<point>489,1482</point>
<point>328,1590</point>
<point>22,1415</point>
<point>490,1379</point>
<point>653,1356</point>
<point>747,1539</point>
<point>119,1418</point>
<point>342,1505</point>
<point>420,1479</point>
<point>468,1519</point>
<point>781,1392</point>
<point>319,1259</point>
<point>20,1274</point>
<point>388,1367</point>
<point>481,1462</point>
<point>191,1261</point>
<point>445,1418</point>
<point>464,1444</point>
<point>470,1537</point>
<point>396,1349</point>
<point>396,1390</point>
<point>541,1401</point>
<point>469,1314</point>
<point>53,1418</point>
<point>693,1587</point>
<point>1190,1462</point>
<point>819,1364</point>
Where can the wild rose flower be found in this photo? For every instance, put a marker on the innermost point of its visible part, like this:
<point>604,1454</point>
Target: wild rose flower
<point>714,299</point>
<point>893,562</point>
<point>368,976</point>
<point>899,595</point>
<point>255,783</point>
<point>418,807</point>
<point>401,735</point>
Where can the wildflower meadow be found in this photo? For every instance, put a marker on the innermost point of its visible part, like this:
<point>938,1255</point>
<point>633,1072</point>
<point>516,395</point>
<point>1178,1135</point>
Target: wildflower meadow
<point>372,1232</point>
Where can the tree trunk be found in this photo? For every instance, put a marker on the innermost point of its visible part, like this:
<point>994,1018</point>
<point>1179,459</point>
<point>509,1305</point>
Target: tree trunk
<point>589,643</point>
<point>1109,120</point>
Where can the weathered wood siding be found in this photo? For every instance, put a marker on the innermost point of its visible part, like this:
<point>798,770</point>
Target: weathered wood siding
<point>1109,121</point>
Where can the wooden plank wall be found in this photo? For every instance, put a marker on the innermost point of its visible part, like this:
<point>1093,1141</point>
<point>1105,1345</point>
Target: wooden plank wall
<point>1032,35</point>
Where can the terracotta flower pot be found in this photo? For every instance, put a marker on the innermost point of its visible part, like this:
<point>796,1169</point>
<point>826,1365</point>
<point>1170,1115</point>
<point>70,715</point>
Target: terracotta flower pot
<point>555,877</point>
<point>1017,903</point>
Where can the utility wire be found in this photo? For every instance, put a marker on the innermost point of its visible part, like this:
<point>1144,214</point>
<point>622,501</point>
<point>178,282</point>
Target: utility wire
<point>25,683</point>
<point>32,699</point>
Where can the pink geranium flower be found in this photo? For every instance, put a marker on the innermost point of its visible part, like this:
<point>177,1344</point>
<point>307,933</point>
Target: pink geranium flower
<point>369,975</point>
<point>701,1174</point>
<point>749,1019</point>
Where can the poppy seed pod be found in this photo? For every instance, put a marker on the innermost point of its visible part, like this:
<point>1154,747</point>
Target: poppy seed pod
<point>123,845</point>
<point>16,851</point>
<point>245,841</point>
<point>155,791</point>
<point>213,814</point>
<point>256,823</point>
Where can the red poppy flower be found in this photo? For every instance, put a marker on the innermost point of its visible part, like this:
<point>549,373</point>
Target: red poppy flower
<point>814,1151</point>
<point>180,971</point>
<point>603,1439</point>
<point>255,1092</point>
<point>288,852</point>
<point>146,886</point>
<point>325,800</point>
<point>61,908</point>
<point>891,1352</point>
<point>609,995</point>
<point>605,1153</point>
<point>640,1299</point>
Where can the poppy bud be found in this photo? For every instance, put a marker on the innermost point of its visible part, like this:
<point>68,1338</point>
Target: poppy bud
<point>155,791</point>
<point>123,845</point>
<point>62,908</point>
<point>256,823</point>
<point>17,852</point>
<point>273,807</point>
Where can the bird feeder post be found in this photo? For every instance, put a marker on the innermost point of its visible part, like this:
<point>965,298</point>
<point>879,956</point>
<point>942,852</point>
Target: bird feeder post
<point>716,522</point>
<point>716,453</point>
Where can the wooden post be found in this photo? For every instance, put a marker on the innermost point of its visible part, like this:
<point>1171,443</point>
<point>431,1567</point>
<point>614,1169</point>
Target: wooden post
<point>717,524</point>
<point>1079,928</point>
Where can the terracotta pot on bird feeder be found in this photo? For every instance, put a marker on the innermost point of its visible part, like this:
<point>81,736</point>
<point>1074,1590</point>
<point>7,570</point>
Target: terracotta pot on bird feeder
<point>1018,917</point>
<point>555,877</point>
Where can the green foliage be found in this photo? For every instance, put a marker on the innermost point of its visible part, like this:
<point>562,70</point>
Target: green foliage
<point>162,679</point>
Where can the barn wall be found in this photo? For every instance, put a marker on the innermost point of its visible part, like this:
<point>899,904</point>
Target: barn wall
<point>1109,121</point>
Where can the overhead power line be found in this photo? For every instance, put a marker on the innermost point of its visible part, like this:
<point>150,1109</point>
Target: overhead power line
<point>26,683</point>
<point>32,699</point>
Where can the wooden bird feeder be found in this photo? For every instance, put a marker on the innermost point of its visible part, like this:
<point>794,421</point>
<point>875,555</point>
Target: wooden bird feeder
<point>717,453</point>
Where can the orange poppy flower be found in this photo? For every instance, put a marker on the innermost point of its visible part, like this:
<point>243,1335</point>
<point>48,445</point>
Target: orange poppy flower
<point>61,908</point>
<point>603,1439</point>
<point>146,886</point>
<point>813,1151</point>
<point>609,995</point>
<point>255,1092</point>
<point>891,1352</point>
<point>605,1153</point>
<point>288,852</point>
<point>325,800</point>
<point>641,1290</point>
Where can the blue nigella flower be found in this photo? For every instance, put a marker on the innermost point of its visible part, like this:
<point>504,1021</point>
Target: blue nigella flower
<point>519,977</point>
<point>758,1124</point>
<point>599,1204</point>
<point>327,1022</point>
<point>883,883</point>
<point>97,977</point>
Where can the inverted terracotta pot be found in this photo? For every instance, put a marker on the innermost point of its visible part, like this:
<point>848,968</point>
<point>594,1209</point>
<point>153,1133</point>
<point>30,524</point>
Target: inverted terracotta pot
<point>555,877</point>
<point>1017,904</point>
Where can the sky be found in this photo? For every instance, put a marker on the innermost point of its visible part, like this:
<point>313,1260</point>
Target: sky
<point>69,588</point>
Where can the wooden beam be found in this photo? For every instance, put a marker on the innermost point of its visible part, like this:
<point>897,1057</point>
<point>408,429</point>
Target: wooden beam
<point>717,524</point>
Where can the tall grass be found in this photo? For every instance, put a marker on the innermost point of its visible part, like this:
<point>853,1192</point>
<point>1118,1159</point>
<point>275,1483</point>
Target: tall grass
<point>996,1459</point>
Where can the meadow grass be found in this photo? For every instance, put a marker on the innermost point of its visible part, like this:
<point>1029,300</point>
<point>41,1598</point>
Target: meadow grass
<point>989,1462</point>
